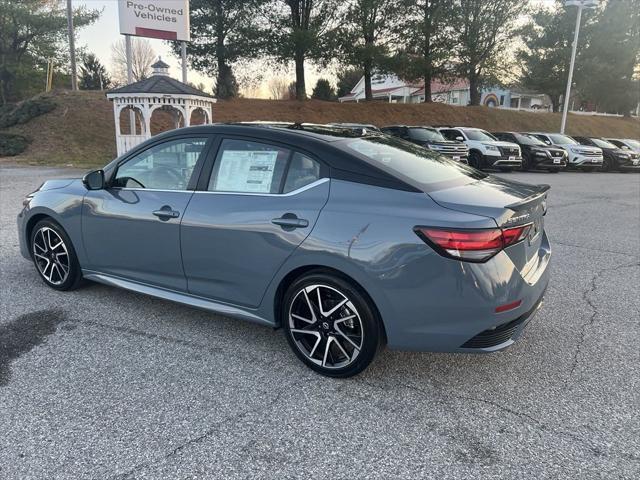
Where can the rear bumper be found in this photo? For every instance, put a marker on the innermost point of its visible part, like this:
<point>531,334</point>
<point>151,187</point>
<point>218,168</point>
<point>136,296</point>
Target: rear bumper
<point>459,313</point>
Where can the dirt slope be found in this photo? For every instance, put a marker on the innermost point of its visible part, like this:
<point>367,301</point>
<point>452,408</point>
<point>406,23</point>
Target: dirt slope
<point>80,131</point>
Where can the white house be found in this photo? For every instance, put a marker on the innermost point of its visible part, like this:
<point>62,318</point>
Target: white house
<point>387,88</point>
<point>390,88</point>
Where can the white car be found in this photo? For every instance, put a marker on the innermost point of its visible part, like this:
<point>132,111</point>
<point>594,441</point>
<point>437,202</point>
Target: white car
<point>579,156</point>
<point>626,143</point>
<point>485,150</point>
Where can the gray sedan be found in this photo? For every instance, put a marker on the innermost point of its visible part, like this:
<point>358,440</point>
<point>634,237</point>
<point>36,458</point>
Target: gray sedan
<point>348,241</point>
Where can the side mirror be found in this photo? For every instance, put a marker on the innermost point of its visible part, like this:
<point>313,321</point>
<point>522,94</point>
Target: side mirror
<point>460,139</point>
<point>548,142</point>
<point>94,180</point>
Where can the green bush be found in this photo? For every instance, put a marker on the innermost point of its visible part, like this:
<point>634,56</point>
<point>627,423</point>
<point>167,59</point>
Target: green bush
<point>11,144</point>
<point>24,111</point>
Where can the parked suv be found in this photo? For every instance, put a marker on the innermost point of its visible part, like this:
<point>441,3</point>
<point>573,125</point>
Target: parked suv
<point>484,149</point>
<point>579,156</point>
<point>625,143</point>
<point>615,158</point>
<point>430,138</point>
<point>535,153</point>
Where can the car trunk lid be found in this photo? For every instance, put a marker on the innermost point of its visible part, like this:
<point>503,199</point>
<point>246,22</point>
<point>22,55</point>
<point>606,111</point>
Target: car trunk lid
<point>509,203</point>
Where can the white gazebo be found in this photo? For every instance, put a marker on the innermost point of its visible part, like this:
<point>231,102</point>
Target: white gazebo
<point>137,101</point>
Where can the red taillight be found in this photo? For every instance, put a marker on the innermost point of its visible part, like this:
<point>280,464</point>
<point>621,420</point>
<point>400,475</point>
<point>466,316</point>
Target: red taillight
<point>472,245</point>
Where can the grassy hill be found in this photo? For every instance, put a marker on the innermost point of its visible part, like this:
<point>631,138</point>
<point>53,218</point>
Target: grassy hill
<point>80,131</point>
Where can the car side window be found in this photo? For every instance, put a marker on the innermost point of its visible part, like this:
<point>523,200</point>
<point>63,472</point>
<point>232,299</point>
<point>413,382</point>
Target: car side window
<point>166,166</point>
<point>451,134</point>
<point>302,171</point>
<point>244,166</point>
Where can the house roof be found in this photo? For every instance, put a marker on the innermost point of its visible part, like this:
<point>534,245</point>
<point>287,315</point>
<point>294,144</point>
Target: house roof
<point>160,84</point>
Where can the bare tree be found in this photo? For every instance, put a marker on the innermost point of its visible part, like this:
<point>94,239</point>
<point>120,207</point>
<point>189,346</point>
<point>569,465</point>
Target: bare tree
<point>142,55</point>
<point>278,88</point>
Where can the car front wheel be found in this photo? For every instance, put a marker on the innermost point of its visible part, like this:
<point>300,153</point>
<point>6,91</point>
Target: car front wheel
<point>330,325</point>
<point>54,256</point>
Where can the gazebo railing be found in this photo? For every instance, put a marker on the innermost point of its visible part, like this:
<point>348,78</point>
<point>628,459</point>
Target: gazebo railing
<point>127,142</point>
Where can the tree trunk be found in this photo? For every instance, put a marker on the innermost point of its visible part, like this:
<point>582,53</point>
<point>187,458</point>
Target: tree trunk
<point>427,86</point>
<point>368,93</point>
<point>301,91</point>
<point>555,102</point>
<point>474,89</point>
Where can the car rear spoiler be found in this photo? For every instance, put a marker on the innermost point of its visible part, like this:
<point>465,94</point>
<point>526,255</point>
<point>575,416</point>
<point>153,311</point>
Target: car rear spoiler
<point>541,192</point>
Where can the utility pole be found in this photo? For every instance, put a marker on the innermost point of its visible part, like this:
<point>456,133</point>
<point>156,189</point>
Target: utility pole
<point>581,4</point>
<point>72,47</point>
<point>184,61</point>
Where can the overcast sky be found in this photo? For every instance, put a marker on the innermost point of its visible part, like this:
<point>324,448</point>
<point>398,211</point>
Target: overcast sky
<point>99,37</point>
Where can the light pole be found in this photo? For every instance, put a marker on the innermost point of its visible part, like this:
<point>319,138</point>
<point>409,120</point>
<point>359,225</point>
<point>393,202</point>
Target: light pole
<point>72,47</point>
<point>574,47</point>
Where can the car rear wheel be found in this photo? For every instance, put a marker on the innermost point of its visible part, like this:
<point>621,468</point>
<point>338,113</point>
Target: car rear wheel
<point>330,325</point>
<point>54,256</point>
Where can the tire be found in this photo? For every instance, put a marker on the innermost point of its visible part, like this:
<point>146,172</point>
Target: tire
<point>54,256</point>
<point>606,165</point>
<point>554,170</point>
<point>475,160</point>
<point>340,343</point>
<point>525,164</point>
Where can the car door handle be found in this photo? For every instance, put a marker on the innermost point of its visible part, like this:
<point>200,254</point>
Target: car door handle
<point>165,213</point>
<point>289,221</point>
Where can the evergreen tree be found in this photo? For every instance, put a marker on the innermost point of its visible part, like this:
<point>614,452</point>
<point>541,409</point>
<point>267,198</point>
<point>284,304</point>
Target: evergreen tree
<point>93,75</point>
<point>366,35</point>
<point>323,90</point>
<point>32,32</point>
<point>301,31</point>
<point>347,79</point>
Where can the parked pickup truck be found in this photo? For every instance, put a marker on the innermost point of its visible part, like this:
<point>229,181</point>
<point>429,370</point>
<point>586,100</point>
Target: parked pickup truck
<point>430,138</point>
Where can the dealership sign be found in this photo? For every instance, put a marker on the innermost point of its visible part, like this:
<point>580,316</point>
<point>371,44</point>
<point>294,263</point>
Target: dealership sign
<point>166,19</point>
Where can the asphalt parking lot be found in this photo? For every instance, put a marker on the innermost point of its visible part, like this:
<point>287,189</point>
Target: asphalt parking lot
<point>103,383</point>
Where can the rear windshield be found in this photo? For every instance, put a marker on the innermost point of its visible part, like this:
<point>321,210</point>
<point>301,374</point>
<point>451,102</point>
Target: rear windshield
<point>425,135</point>
<point>412,164</point>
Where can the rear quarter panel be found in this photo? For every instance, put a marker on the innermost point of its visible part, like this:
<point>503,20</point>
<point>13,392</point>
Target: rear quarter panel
<point>366,232</point>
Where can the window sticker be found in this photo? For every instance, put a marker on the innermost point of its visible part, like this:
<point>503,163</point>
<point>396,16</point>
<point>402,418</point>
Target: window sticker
<point>246,171</point>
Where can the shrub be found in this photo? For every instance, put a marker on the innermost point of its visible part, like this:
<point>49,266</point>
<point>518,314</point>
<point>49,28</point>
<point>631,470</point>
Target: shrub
<point>11,144</point>
<point>24,111</point>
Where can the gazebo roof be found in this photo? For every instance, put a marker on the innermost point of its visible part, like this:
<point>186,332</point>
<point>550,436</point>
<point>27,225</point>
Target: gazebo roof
<point>160,64</point>
<point>160,84</point>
